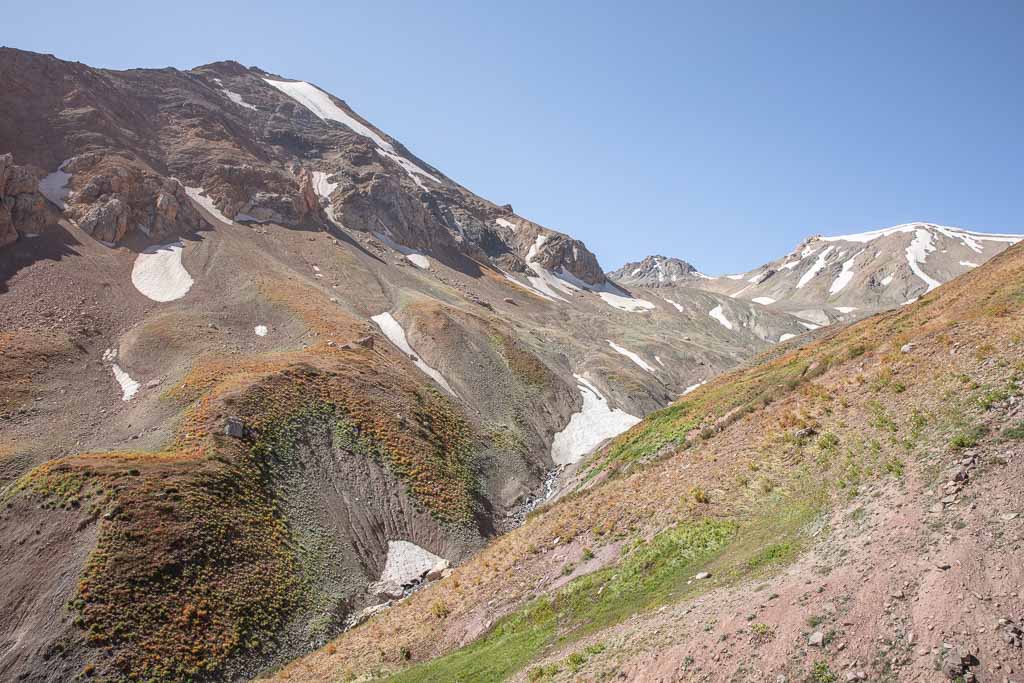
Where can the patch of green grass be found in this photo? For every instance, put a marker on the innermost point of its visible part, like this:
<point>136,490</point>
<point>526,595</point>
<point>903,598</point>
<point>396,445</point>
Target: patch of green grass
<point>1014,433</point>
<point>822,673</point>
<point>968,438</point>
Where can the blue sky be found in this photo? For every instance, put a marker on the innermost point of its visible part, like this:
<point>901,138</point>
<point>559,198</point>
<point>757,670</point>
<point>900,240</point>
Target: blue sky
<point>722,133</point>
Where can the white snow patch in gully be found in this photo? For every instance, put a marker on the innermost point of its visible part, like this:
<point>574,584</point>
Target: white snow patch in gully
<point>719,315</point>
<point>159,274</point>
<point>392,329</point>
<point>595,422</point>
<point>407,562</point>
<point>693,387</point>
<point>237,99</point>
<point>810,326</point>
<point>845,275</point>
<point>968,264</point>
<point>763,300</point>
<point>200,197</point>
<point>129,387</point>
<point>322,186</point>
<point>887,281</point>
<point>678,307</point>
<point>320,103</point>
<point>609,293</point>
<point>55,186</point>
<point>630,355</point>
<point>506,224</point>
<point>786,337</point>
<point>659,361</point>
<point>814,269</point>
<point>413,256</point>
<point>918,252</point>
<point>260,330</point>
<point>418,260</point>
<point>846,309</point>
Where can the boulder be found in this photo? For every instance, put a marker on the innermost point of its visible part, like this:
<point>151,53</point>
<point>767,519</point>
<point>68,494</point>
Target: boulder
<point>388,590</point>
<point>234,427</point>
<point>437,571</point>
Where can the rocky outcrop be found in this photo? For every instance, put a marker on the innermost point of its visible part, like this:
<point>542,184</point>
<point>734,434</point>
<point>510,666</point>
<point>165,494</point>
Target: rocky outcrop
<point>654,271</point>
<point>112,196</point>
<point>21,205</point>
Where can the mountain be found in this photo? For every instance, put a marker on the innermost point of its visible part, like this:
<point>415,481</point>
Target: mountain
<point>832,278</point>
<point>656,271</point>
<point>816,515</point>
<point>264,371</point>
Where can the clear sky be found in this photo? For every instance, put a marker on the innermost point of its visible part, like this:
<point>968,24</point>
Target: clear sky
<point>719,132</point>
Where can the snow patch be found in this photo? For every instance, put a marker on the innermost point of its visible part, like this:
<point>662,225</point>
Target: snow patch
<point>506,224</point>
<point>407,562</point>
<point>260,330</point>
<point>595,422</point>
<point>159,274</point>
<point>918,252</point>
<point>846,309</point>
<point>237,99</point>
<point>845,275</point>
<point>678,307</point>
<point>718,314</point>
<point>968,264</point>
<point>693,387</point>
<point>392,329</point>
<point>129,387</point>
<point>55,186</point>
<point>199,196</point>
<point>786,337</point>
<point>626,303</point>
<point>814,269</point>
<point>418,260</point>
<point>320,103</point>
<point>630,355</point>
<point>763,300</point>
<point>887,280</point>
<point>736,277</point>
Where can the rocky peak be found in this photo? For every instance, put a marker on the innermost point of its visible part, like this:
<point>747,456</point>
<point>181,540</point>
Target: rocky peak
<point>655,271</point>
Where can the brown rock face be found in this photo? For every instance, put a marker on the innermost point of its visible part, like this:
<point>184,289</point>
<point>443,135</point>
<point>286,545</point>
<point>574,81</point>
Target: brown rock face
<point>21,205</point>
<point>112,196</point>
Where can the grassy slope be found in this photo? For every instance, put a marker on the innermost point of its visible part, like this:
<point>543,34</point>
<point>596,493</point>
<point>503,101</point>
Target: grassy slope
<point>761,451</point>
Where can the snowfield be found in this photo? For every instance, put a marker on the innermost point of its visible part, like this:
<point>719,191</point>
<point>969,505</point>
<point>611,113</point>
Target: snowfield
<point>237,99</point>
<point>630,355</point>
<point>159,274</point>
<point>55,186</point>
<point>199,196</point>
<point>718,314</point>
<point>917,254</point>
<point>129,387</point>
<point>392,329</point>
<point>595,422</point>
<point>317,101</point>
<point>411,255</point>
<point>407,562</point>
<point>814,269</point>
<point>693,387</point>
<point>845,275</point>
<point>626,303</point>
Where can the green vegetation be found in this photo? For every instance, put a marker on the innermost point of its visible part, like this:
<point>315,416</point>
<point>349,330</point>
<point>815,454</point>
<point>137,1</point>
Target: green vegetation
<point>1014,432</point>
<point>969,437</point>
<point>822,673</point>
<point>649,575</point>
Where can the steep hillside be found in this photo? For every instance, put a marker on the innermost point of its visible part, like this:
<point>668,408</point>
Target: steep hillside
<point>849,509</point>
